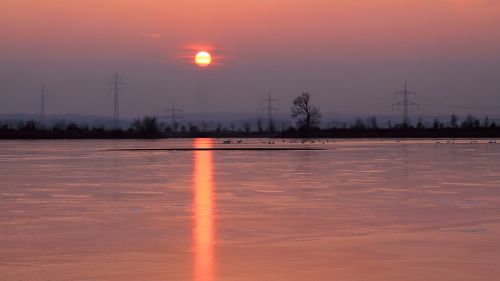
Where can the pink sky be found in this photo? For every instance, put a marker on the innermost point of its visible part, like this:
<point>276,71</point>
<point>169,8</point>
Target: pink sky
<point>260,33</point>
<point>288,29</point>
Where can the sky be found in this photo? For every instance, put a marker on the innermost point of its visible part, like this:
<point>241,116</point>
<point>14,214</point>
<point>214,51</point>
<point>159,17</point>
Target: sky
<point>351,55</point>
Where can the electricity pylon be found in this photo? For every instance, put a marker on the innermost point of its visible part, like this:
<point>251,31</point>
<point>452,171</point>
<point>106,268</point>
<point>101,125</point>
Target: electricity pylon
<point>42,104</point>
<point>269,107</point>
<point>116,104</point>
<point>173,115</point>
<point>406,103</point>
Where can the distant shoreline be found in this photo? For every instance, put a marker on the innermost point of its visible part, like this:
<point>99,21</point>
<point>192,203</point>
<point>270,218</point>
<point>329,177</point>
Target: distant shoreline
<point>413,133</point>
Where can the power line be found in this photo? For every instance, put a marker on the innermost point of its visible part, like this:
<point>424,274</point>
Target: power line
<point>42,103</point>
<point>173,115</point>
<point>116,83</point>
<point>269,107</point>
<point>406,103</point>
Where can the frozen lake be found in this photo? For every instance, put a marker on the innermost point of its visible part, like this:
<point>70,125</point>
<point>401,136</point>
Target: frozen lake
<point>352,210</point>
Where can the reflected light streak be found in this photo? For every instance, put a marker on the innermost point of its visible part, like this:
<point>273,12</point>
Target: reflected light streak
<point>204,217</point>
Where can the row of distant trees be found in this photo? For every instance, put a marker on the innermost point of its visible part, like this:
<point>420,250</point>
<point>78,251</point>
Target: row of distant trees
<point>149,127</point>
<point>146,127</point>
<point>469,122</point>
<point>308,117</point>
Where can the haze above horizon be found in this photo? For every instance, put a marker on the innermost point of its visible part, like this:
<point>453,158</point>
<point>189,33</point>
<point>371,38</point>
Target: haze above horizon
<point>351,55</point>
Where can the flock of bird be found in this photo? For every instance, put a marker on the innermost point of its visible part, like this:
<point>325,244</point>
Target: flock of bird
<point>303,141</point>
<point>471,141</point>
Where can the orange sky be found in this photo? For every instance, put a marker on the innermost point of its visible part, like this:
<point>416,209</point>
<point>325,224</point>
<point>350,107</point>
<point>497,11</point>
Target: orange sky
<point>303,41</point>
<point>282,28</point>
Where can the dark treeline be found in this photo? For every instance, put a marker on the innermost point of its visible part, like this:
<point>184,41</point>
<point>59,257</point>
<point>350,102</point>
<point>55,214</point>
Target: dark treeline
<point>470,127</point>
<point>150,127</point>
<point>141,128</point>
<point>410,132</point>
<point>306,115</point>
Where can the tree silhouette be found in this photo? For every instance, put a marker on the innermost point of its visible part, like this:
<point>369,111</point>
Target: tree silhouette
<point>359,124</point>
<point>436,124</point>
<point>307,115</point>
<point>420,123</point>
<point>454,121</point>
<point>247,127</point>
<point>147,126</point>
<point>259,125</point>
<point>373,122</point>
<point>486,122</point>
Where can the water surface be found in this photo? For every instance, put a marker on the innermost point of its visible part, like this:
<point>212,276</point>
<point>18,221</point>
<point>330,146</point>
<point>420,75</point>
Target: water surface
<point>354,210</point>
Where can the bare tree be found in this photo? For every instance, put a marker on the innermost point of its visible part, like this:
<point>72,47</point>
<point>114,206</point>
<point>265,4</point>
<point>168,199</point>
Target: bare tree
<point>471,122</point>
<point>307,115</point>
<point>454,121</point>
<point>247,127</point>
<point>420,123</point>
<point>259,125</point>
<point>486,122</point>
<point>359,124</point>
<point>147,126</point>
<point>436,124</point>
<point>373,122</point>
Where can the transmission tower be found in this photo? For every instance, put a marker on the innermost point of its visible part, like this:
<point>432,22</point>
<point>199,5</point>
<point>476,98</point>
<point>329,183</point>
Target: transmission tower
<point>116,92</point>
<point>406,103</point>
<point>42,103</point>
<point>270,108</point>
<point>173,115</point>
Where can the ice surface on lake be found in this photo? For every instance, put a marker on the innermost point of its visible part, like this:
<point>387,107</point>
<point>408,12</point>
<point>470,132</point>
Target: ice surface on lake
<point>355,211</point>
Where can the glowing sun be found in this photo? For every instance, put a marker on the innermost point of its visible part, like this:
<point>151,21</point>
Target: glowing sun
<point>203,59</point>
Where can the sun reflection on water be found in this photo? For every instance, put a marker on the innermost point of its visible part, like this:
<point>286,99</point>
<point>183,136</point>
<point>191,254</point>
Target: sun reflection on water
<point>204,217</point>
